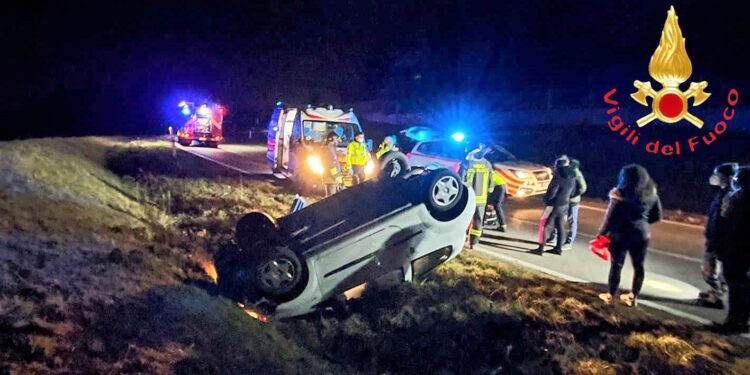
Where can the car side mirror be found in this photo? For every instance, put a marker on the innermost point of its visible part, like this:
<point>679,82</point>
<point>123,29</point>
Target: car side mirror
<point>369,145</point>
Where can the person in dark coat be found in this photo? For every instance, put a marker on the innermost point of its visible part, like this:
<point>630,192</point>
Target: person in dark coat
<point>721,180</point>
<point>556,202</point>
<point>633,206</point>
<point>733,253</point>
<point>575,201</point>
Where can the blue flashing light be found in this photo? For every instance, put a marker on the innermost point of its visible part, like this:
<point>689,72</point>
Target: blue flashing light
<point>182,104</point>
<point>458,136</point>
<point>186,110</point>
<point>278,104</point>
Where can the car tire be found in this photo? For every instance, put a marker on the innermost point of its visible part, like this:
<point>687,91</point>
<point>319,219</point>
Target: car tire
<point>233,274</point>
<point>444,193</point>
<point>212,144</point>
<point>393,164</point>
<point>279,273</point>
<point>184,142</point>
<point>253,229</point>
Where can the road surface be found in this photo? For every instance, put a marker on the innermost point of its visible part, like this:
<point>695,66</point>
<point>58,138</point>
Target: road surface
<point>673,277</point>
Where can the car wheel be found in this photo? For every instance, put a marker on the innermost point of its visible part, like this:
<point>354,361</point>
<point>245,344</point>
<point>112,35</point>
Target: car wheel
<point>279,273</point>
<point>253,229</point>
<point>393,164</point>
<point>444,191</point>
<point>212,144</point>
<point>446,195</point>
<point>184,142</point>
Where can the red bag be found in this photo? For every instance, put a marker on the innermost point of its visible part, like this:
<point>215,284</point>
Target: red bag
<point>600,247</point>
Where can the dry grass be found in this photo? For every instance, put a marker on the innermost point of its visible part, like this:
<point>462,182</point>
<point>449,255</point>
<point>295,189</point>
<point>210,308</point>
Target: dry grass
<point>105,251</point>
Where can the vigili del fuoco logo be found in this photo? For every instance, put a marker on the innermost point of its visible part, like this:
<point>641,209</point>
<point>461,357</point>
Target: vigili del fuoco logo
<point>670,66</point>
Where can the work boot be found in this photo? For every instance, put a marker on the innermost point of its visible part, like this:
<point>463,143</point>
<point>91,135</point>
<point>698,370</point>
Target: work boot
<point>538,251</point>
<point>606,297</point>
<point>710,300</point>
<point>503,228</point>
<point>556,250</point>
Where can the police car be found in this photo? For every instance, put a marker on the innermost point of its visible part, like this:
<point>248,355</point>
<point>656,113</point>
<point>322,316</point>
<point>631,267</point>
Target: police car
<point>393,229</point>
<point>522,178</point>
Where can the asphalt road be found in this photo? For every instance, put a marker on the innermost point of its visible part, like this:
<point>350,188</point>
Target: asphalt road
<point>673,276</point>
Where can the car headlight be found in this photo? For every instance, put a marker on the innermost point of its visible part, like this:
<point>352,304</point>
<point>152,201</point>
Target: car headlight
<point>315,164</point>
<point>521,174</point>
<point>369,168</point>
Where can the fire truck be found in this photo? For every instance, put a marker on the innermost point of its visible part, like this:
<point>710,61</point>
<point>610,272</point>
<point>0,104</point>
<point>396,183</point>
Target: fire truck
<point>296,137</point>
<point>203,124</point>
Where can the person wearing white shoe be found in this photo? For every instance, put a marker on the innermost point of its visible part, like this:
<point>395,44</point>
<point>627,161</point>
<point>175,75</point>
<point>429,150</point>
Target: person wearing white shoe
<point>634,204</point>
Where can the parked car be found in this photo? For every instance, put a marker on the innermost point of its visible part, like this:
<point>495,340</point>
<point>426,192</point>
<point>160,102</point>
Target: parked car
<point>523,178</point>
<point>380,231</point>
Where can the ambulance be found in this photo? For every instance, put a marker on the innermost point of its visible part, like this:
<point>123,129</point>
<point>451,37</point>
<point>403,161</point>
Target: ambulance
<point>296,138</point>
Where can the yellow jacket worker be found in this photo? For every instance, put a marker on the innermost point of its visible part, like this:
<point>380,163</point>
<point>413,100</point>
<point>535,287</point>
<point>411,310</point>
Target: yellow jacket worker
<point>357,158</point>
<point>477,172</point>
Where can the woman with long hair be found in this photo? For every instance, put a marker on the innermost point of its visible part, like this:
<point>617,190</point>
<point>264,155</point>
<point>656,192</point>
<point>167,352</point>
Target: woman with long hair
<point>633,206</point>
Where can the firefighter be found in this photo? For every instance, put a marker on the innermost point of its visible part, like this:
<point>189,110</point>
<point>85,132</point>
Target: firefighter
<point>497,195</point>
<point>332,174</point>
<point>476,172</point>
<point>389,144</point>
<point>357,158</point>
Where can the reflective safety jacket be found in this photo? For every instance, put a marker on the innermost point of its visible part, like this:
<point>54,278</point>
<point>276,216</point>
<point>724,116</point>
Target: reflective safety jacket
<point>477,174</point>
<point>382,149</point>
<point>331,164</point>
<point>497,179</point>
<point>356,154</point>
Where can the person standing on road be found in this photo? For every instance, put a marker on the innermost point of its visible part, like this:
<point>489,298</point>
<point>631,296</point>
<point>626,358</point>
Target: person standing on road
<point>556,203</point>
<point>633,206</point>
<point>332,173</point>
<point>721,180</point>
<point>733,253</point>
<point>357,158</point>
<point>476,172</point>
<point>575,201</point>
<point>496,198</point>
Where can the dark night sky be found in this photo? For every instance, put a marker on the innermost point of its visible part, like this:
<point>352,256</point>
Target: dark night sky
<point>82,67</point>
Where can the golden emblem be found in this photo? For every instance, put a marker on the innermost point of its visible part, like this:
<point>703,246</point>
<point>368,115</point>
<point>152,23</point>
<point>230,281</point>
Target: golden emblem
<point>670,66</point>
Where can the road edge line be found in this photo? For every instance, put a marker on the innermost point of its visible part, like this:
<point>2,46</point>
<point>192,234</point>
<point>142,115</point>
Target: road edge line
<point>593,208</point>
<point>225,165</point>
<point>663,252</point>
<point>560,275</point>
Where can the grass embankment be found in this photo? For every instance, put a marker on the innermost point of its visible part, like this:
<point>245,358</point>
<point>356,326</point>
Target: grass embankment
<point>103,255</point>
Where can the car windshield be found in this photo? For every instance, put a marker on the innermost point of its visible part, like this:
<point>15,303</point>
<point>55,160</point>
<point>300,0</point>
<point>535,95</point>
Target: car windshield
<point>498,154</point>
<point>316,131</point>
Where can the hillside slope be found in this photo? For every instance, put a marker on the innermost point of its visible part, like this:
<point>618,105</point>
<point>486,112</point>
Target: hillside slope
<point>105,249</point>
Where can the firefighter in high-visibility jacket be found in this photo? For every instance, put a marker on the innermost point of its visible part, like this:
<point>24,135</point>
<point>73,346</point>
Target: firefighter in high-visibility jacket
<point>332,179</point>
<point>357,158</point>
<point>476,172</point>
<point>388,144</point>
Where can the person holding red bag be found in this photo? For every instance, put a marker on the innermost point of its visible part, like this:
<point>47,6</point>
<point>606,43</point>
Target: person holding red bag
<point>633,206</point>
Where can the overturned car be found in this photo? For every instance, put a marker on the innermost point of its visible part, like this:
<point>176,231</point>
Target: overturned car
<point>396,228</point>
